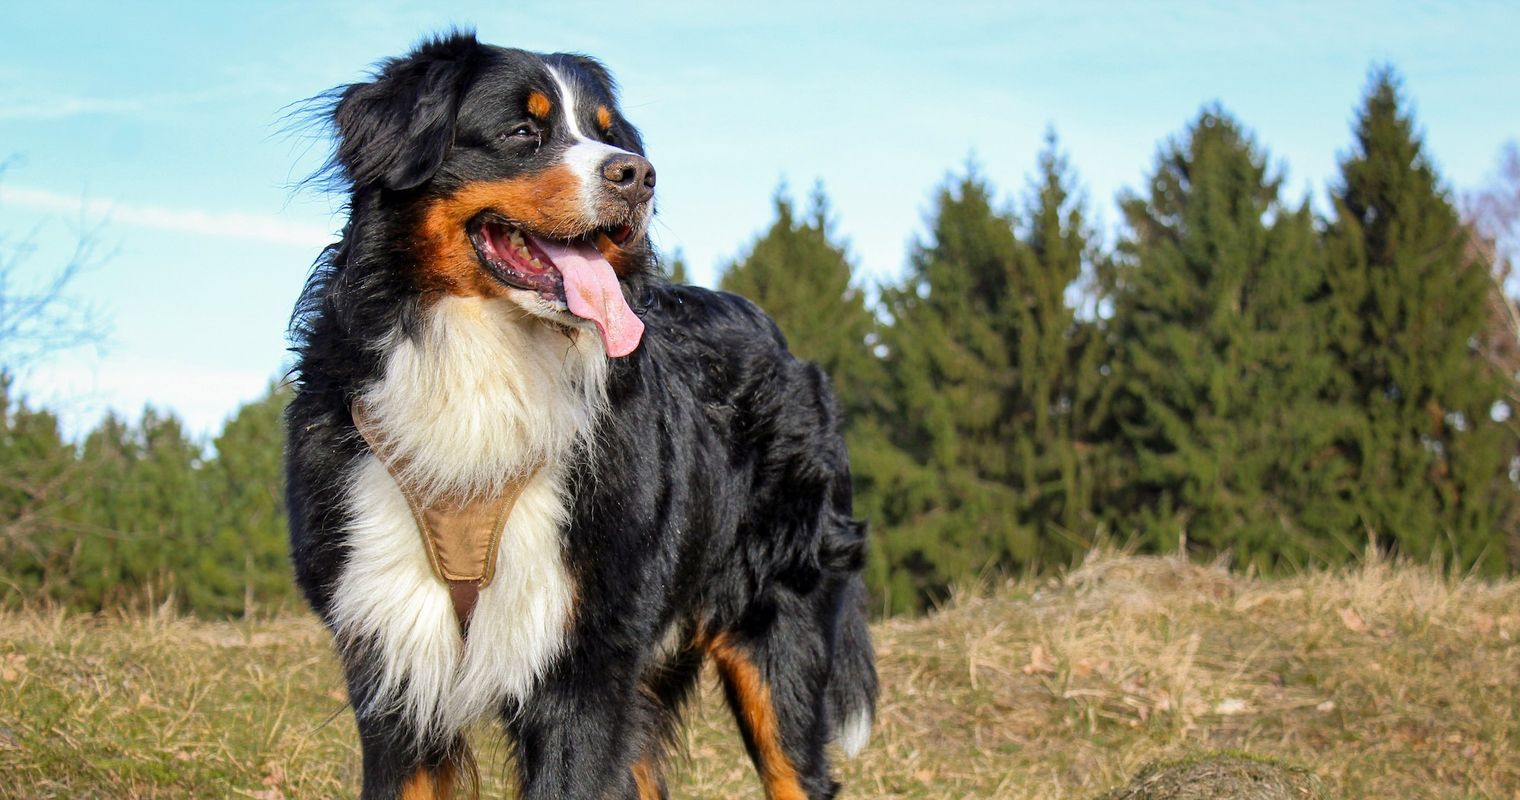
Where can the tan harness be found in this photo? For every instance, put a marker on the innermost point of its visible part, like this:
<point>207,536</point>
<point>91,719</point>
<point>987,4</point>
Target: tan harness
<point>461,534</point>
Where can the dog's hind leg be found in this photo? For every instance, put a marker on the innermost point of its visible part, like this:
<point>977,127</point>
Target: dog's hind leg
<point>775,675</point>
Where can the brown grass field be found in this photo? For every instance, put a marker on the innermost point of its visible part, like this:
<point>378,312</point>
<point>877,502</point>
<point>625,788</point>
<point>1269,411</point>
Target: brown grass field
<point>1383,681</point>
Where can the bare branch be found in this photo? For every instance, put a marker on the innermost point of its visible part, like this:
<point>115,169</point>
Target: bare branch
<point>41,319</point>
<point>1492,215</point>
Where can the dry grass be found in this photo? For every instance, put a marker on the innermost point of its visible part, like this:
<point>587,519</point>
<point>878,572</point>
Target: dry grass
<point>1384,681</point>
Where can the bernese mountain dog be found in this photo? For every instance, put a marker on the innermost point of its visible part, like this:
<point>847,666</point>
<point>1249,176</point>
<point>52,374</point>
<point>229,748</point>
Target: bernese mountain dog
<point>531,480</point>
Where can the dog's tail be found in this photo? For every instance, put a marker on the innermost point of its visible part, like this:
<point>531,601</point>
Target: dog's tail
<point>851,694</point>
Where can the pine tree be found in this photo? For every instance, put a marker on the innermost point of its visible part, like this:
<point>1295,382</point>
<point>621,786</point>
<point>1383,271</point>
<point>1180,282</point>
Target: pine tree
<point>1218,367</point>
<point>141,531</point>
<point>949,511</point>
<point>39,480</point>
<point>1492,216</point>
<point>804,281</point>
<point>137,514</point>
<point>1049,408</point>
<point>676,269</point>
<point>1408,305</point>
<point>102,550</point>
<point>244,563</point>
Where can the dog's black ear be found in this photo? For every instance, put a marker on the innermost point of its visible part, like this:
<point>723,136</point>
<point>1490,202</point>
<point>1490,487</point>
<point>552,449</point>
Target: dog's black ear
<point>396,129</point>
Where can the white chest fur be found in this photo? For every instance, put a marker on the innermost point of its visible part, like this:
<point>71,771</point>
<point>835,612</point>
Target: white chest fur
<point>482,394</point>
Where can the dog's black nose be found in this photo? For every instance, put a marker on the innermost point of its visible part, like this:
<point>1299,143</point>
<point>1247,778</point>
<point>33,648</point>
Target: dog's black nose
<point>631,176</point>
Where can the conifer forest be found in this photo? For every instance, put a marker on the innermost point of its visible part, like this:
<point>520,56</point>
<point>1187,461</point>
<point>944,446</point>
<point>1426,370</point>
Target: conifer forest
<point>1232,372</point>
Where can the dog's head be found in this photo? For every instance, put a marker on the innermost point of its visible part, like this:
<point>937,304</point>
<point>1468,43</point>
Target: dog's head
<point>513,175</point>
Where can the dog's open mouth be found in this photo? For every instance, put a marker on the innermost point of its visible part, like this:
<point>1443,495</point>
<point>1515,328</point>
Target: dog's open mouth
<point>571,271</point>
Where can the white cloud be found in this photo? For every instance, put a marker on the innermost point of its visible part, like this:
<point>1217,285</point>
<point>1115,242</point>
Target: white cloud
<point>67,107</point>
<point>61,107</point>
<point>225,224</point>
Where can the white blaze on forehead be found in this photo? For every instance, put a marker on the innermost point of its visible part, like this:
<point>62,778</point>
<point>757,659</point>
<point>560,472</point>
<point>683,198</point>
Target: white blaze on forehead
<point>569,101</point>
<point>586,156</point>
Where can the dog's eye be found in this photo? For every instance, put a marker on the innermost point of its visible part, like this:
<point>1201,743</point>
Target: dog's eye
<point>522,132</point>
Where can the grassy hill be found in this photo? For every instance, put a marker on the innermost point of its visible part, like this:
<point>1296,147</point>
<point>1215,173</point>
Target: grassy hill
<point>1384,681</point>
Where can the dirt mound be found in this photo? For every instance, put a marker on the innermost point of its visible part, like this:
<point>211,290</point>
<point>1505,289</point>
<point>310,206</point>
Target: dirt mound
<point>1221,776</point>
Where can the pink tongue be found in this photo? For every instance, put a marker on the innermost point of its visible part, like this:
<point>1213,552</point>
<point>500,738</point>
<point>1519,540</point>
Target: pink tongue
<point>591,289</point>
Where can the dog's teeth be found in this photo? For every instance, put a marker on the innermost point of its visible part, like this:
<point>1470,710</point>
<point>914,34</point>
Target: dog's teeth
<point>517,240</point>
<point>535,263</point>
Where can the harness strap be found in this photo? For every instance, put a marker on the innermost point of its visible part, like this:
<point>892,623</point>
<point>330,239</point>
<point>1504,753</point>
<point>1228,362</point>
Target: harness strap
<point>460,534</point>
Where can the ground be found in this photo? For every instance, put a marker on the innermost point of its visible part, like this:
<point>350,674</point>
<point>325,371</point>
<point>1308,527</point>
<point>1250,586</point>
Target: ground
<point>1379,681</point>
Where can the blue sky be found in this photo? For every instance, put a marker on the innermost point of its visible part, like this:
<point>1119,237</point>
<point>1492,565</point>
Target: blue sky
<point>160,128</point>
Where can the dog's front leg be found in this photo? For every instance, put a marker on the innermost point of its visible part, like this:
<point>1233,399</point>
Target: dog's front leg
<point>397,765</point>
<point>576,737</point>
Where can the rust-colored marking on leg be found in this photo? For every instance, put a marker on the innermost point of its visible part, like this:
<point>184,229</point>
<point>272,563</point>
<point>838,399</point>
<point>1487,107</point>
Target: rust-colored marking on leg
<point>646,778</point>
<point>758,714</point>
<point>435,783</point>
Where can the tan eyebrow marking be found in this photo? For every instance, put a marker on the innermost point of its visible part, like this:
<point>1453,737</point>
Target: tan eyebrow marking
<point>604,117</point>
<point>539,105</point>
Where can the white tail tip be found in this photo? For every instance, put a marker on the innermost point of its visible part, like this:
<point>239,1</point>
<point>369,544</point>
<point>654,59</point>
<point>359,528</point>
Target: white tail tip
<point>854,734</point>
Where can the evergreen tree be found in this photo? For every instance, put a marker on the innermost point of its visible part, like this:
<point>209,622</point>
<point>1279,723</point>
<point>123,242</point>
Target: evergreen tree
<point>677,270</point>
<point>805,282</point>
<point>244,563</point>
<point>138,515</point>
<point>1408,303</point>
<point>1056,361</point>
<point>1492,215</point>
<point>141,531</point>
<point>1218,363</point>
<point>39,480</point>
<point>102,555</point>
<point>949,511</point>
